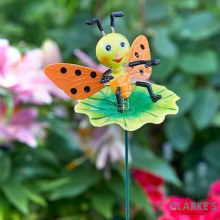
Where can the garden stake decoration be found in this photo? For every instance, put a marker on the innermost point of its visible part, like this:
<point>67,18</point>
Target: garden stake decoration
<point>120,95</point>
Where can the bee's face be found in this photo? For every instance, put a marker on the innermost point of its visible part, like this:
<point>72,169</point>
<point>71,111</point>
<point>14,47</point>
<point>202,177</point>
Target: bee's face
<point>112,50</point>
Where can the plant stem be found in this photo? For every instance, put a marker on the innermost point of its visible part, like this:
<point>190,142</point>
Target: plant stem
<point>127,181</point>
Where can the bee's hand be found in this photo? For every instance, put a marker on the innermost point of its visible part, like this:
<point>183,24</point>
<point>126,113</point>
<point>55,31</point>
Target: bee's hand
<point>150,63</point>
<point>106,78</point>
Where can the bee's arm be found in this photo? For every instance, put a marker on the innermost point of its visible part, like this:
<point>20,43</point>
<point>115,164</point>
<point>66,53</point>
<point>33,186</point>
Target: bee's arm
<point>106,77</point>
<point>147,63</point>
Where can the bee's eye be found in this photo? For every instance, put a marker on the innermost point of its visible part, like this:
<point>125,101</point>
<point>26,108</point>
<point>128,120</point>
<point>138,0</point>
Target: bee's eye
<point>108,47</point>
<point>122,44</point>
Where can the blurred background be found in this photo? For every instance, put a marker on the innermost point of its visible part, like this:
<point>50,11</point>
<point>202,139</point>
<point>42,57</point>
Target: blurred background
<point>53,164</point>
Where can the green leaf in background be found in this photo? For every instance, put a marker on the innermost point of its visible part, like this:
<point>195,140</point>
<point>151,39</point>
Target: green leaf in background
<point>103,202</point>
<point>199,26</point>
<point>50,185</point>
<point>34,197</point>
<point>200,63</point>
<point>5,166</point>
<point>37,171</point>
<point>211,153</point>
<point>45,156</point>
<point>198,179</point>
<point>14,192</point>
<point>188,4</point>
<point>80,180</point>
<point>156,10</point>
<point>145,159</point>
<point>102,107</point>
<point>139,198</point>
<point>163,45</point>
<point>205,107</point>
<point>180,133</point>
<point>187,100</point>
<point>7,99</point>
<point>164,70</point>
<point>65,137</point>
<point>216,120</point>
<point>137,195</point>
<point>4,208</point>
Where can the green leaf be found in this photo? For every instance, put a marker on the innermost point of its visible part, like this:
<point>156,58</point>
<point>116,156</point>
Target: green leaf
<point>7,99</point>
<point>102,108</point>
<point>216,120</point>
<point>205,107</point>
<point>211,153</point>
<point>45,156</point>
<point>180,133</point>
<point>14,192</point>
<point>163,45</point>
<point>199,26</point>
<point>4,208</point>
<point>187,4</point>
<point>197,180</point>
<point>137,196</point>
<point>5,166</point>
<point>62,137</point>
<point>187,99</point>
<point>50,185</point>
<point>145,159</point>
<point>164,70</point>
<point>156,10</point>
<point>81,180</point>
<point>34,197</point>
<point>103,202</point>
<point>37,170</point>
<point>199,63</point>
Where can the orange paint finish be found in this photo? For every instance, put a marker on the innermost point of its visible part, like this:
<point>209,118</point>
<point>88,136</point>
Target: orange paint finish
<point>124,82</point>
<point>140,51</point>
<point>105,59</point>
<point>76,81</point>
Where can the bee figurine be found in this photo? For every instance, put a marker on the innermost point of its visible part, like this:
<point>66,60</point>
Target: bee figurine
<point>127,65</point>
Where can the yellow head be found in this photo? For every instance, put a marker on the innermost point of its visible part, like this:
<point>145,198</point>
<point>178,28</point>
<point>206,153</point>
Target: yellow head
<point>112,50</point>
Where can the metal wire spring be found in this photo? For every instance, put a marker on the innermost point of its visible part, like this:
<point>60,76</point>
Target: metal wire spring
<point>126,104</point>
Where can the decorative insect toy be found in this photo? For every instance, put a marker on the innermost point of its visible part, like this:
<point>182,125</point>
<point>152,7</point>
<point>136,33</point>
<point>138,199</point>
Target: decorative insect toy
<point>116,96</point>
<point>127,65</point>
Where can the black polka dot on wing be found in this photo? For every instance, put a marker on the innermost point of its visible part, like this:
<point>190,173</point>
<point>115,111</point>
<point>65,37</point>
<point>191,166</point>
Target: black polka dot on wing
<point>73,91</point>
<point>136,54</point>
<point>142,46</point>
<point>63,70</point>
<point>87,89</point>
<point>93,74</point>
<point>141,71</point>
<point>78,72</point>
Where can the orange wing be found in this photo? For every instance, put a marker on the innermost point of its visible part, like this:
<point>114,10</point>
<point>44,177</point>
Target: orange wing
<point>76,81</point>
<point>140,51</point>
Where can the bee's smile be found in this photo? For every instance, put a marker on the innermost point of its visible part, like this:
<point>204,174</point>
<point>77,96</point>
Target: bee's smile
<point>118,60</point>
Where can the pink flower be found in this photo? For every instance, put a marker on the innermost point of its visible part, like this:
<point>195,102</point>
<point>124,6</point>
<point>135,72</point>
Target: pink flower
<point>153,186</point>
<point>23,75</point>
<point>180,208</point>
<point>214,215</point>
<point>214,193</point>
<point>214,197</point>
<point>51,53</point>
<point>21,127</point>
<point>105,144</point>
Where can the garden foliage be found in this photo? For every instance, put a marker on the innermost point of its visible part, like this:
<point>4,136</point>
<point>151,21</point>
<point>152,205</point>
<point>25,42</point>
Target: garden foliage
<point>53,163</point>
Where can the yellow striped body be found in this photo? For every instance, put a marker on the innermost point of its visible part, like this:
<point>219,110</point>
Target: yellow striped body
<point>121,79</point>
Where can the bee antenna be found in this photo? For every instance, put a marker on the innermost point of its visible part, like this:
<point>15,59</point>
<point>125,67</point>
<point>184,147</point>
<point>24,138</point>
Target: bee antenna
<point>112,17</point>
<point>96,20</point>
